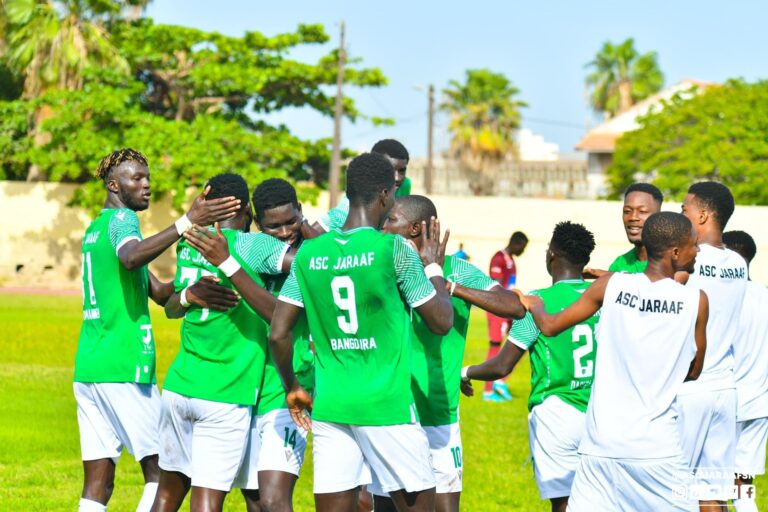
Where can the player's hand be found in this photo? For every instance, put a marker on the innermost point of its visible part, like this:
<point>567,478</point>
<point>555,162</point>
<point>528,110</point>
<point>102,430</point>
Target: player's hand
<point>531,302</point>
<point>299,405</point>
<point>207,211</point>
<point>432,249</point>
<point>466,388</point>
<point>208,293</point>
<point>213,246</point>
<point>593,273</point>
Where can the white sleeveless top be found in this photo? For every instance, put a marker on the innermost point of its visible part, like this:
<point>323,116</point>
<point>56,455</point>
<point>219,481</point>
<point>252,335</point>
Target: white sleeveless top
<point>750,352</point>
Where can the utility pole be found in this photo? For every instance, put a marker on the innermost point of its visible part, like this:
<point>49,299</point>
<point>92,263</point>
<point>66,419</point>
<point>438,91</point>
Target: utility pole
<point>335,171</point>
<point>430,130</point>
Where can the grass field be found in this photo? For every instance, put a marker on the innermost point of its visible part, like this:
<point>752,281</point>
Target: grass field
<point>40,468</point>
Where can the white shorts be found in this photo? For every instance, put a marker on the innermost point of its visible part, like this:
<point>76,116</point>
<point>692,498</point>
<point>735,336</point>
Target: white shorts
<point>112,415</point>
<point>275,443</point>
<point>202,439</point>
<point>750,446</point>
<point>555,429</point>
<point>602,484</point>
<point>390,457</point>
<point>708,436</point>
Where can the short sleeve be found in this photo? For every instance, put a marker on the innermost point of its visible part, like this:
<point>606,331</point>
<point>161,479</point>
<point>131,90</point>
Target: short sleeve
<point>336,217</point>
<point>524,332</point>
<point>497,267</point>
<point>123,227</point>
<point>411,279</point>
<point>469,276</point>
<point>291,291</point>
<point>262,253</point>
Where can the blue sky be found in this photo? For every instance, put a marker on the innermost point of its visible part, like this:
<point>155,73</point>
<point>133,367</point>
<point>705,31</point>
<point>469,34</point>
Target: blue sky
<point>542,46</point>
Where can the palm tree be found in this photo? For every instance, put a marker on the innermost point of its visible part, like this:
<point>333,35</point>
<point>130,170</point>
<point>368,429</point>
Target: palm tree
<point>621,77</point>
<point>484,116</point>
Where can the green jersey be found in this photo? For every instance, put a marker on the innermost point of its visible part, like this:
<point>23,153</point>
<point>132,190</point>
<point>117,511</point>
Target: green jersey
<point>404,189</point>
<point>436,365</point>
<point>561,365</point>
<point>629,263</point>
<point>222,353</point>
<point>355,287</point>
<point>116,342</point>
<point>336,217</point>
<point>272,394</point>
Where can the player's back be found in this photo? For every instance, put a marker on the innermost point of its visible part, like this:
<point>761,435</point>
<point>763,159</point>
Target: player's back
<point>722,274</point>
<point>750,350</point>
<point>646,338</point>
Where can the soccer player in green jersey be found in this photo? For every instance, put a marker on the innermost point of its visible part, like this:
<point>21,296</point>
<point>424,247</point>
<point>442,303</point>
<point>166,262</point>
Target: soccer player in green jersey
<point>562,367</point>
<point>357,285</point>
<point>436,360</point>
<point>215,378</point>
<point>117,400</point>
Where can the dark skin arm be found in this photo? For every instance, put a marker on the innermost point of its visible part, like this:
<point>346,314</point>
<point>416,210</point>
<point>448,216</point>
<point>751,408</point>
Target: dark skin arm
<point>701,338</point>
<point>159,291</point>
<point>498,300</point>
<point>309,232</point>
<point>593,273</point>
<point>136,253</point>
<point>497,367</point>
<point>214,247</point>
<point>437,312</point>
<point>206,293</point>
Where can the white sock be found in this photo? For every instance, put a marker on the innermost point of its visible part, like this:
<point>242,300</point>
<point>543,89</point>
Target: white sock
<point>745,505</point>
<point>90,506</point>
<point>148,498</point>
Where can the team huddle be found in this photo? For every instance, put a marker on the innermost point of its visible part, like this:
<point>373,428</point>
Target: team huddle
<point>649,386</point>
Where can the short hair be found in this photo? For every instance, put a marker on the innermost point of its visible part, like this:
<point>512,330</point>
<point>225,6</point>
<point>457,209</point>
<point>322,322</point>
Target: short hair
<point>272,193</point>
<point>518,237</point>
<point>115,158</point>
<point>391,148</point>
<point>652,190</point>
<point>663,230</point>
<point>417,208</point>
<point>742,243</point>
<point>228,184</point>
<point>715,197</point>
<point>573,241</point>
<point>367,175</point>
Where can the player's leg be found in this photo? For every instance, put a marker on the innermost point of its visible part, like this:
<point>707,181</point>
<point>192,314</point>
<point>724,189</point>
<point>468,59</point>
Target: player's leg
<point>447,464</point>
<point>365,500</point>
<point>276,491</point>
<point>176,427</point>
<point>171,491</point>
<point>340,468</point>
<point>98,483</point>
<point>750,460</point>
<point>151,471</point>
<point>417,501</point>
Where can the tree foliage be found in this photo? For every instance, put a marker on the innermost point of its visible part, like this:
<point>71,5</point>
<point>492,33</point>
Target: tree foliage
<point>719,135</point>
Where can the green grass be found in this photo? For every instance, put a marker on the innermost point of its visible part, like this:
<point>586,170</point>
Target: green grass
<point>40,468</point>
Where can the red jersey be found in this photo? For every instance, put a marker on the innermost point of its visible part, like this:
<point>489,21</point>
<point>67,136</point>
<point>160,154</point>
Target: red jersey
<point>503,270</point>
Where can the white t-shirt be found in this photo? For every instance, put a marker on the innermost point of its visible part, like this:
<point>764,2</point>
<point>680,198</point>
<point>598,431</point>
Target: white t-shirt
<point>750,353</point>
<point>645,347</point>
<point>722,274</point>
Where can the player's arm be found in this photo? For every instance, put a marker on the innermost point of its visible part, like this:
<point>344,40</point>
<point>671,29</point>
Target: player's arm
<point>701,338</point>
<point>593,273</point>
<point>215,248</point>
<point>136,253</point>
<point>159,291</point>
<point>437,310</point>
<point>587,305</point>
<point>497,300</point>
<point>205,293</point>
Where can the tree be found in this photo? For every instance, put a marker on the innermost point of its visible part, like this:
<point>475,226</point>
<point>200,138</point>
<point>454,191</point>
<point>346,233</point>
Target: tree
<point>718,134</point>
<point>484,116</point>
<point>621,77</point>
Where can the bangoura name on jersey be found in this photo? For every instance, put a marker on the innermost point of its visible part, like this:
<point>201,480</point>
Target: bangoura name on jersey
<point>353,343</point>
<point>342,262</point>
<point>649,305</point>
<point>725,273</point>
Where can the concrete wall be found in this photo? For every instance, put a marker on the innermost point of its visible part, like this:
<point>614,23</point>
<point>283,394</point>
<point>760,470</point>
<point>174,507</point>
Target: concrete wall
<point>39,231</point>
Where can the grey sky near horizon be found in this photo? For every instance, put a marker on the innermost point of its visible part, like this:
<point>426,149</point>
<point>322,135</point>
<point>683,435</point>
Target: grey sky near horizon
<point>542,47</point>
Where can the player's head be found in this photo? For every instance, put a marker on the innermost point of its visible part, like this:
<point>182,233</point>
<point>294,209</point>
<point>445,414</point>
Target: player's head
<point>278,211</point>
<point>742,243</point>
<point>517,243</point>
<point>125,173</point>
<point>406,216</point>
<point>228,184</point>
<point>641,200</point>
<point>397,155</point>
<point>708,202</point>
<point>671,235</point>
<point>371,185</point>
<point>571,246</point>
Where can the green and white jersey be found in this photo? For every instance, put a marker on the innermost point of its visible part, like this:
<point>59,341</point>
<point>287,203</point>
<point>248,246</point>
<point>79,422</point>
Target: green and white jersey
<point>336,217</point>
<point>561,365</point>
<point>355,287</point>
<point>436,364</point>
<point>272,395</point>
<point>116,342</point>
<point>629,263</point>
<point>222,353</point>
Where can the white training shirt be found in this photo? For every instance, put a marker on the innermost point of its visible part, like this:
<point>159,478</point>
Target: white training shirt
<point>646,345</point>
<point>750,353</point>
<point>722,274</point>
